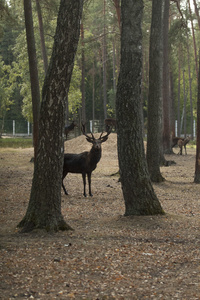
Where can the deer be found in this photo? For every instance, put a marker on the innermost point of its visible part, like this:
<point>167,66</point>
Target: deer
<point>182,143</point>
<point>69,128</point>
<point>86,162</point>
<point>110,123</point>
<point>175,141</point>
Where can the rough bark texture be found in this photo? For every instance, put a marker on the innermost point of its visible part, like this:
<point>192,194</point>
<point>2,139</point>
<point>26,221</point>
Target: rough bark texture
<point>138,193</point>
<point>155,93</point>
<point>44,210</point>
<point>35,89</point>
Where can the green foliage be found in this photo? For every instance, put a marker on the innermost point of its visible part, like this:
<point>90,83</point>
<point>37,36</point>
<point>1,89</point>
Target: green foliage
<point>5,89</point>
<point>74,95</point>
<point>15,91</point>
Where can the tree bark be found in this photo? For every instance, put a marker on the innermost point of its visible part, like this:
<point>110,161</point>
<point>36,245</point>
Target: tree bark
<point>166,98</point>
<point>179,96</point>
<point>155,93</point>
<point>197,164</point>
<point>139,196</point>
<point>193,35</point>
<point>42,40</point>
<point>44,209</point>
<point>104,62</point>
<point>35,89</point>
<point>190,89</point>
<point>83,74</point>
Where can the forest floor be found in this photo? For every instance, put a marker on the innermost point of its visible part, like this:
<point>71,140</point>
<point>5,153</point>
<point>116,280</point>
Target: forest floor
<point>107,256</point>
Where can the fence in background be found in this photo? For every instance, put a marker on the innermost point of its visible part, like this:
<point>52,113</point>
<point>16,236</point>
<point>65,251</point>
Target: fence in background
<point>15,127</point>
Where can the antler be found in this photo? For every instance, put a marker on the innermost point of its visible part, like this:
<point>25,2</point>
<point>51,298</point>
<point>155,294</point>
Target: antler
<point>104,138</point>
<point>87,136</point>
<point>101,138</point>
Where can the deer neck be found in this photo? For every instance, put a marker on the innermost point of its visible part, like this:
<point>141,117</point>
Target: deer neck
<point>95,155</point>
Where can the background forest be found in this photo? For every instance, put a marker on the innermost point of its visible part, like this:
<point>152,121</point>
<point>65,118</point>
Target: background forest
<point>93,86</point>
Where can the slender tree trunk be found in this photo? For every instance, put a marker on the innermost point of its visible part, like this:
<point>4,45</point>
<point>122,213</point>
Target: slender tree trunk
<point>185,99</point>
<point>139,196</point>
<point>35,89</point>
<point>104,62</point>
<point>114,71</point>
<point>83,74</point>
<point>166,97</point>
<point>197,165</point>
<point>118,11</point>
<point>197,12</point>
<point>172,104</point>
<point>193,35</point>
<point>93,94</point>
<point>190,88</point>
<point>44,209</point>
<point>42,40</point>
<point>179,96</point>
<point>155,93</point>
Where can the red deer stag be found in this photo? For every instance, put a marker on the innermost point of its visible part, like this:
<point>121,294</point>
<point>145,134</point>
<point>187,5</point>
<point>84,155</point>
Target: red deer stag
<point>85,162</point>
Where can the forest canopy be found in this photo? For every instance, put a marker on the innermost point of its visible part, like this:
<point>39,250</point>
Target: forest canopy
<point>97,63</point>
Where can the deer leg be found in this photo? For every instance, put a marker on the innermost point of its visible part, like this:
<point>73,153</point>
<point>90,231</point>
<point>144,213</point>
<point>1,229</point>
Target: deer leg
<point>64,175</point>
<point>84,183</point>
<point>185,150</point>
<point>89,183</point>
<point>181,149</point>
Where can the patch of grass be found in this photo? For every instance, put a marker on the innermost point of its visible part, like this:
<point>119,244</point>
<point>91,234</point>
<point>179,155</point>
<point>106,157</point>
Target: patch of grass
<point>16,143</point>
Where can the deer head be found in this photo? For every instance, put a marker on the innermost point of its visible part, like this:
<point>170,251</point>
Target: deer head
<point>96,142</point>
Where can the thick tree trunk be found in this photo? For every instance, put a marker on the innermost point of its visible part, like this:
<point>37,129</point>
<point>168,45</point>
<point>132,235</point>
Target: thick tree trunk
<point>138,192</point>
<point>35,89</point>
<point>44,209</point>
<point>155,93</point>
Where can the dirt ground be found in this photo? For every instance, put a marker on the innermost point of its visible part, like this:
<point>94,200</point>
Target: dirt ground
<point>107,256</point>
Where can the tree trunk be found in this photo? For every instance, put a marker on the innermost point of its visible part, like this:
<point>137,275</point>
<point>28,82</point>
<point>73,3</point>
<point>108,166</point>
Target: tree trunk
<point>190,89</point>
<point>83,74</point>
<point>166,98</point>
<point>197,12</point>
<point>193,35</point>
<point>172,109</point>
<point>114,73</point>
<point>155,93</point>
<point>44,209</point>
<point>93,94</point>
<point>179,96</point>
<point>197,165</point>
<point>104,62</point>
<point>35,89</point>
<point>138,192</point>
<point>184,109</point>
<point>42,40</point>
<point>118,11</point>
